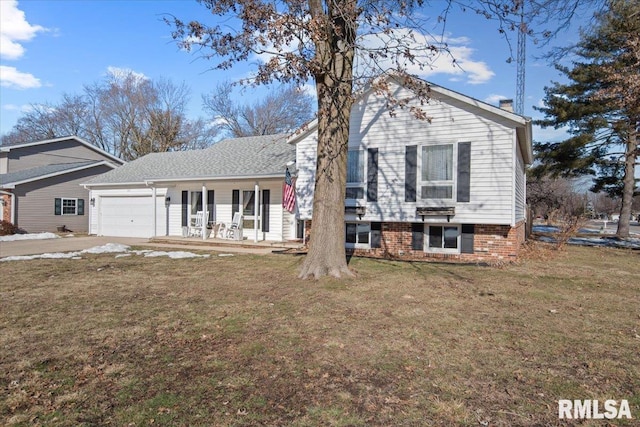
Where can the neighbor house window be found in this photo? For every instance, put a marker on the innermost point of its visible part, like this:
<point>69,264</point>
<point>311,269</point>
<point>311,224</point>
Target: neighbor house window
<point>436,172</point>
<point>443,238</point>
<point>69,206</point>
<point>355,175</point>
<point>358,235</point>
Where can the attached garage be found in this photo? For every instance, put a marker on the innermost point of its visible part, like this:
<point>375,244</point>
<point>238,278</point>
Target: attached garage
<point>130,216</point>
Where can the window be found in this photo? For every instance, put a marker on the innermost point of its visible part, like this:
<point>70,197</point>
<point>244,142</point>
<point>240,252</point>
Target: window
<point>355,175</point>
<point>437,172</point>
<point>196,202</point>
<point>443,238</point>
<point>69,206</point>
<point>357,235</point>
<point>248,203</point>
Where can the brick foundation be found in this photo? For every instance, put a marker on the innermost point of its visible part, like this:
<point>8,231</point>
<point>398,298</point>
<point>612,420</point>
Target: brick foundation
<point>491,243</point>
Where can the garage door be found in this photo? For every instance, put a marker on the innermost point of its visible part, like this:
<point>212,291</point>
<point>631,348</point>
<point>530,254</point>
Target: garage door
<point>127,216</point>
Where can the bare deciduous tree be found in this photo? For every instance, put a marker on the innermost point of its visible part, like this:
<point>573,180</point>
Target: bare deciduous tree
<point>284,109</point>
<point>126,115</point>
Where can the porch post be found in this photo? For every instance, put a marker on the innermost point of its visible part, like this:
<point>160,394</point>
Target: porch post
<point>205,214</point>
<point>155,209</point>
<point>256,199</point>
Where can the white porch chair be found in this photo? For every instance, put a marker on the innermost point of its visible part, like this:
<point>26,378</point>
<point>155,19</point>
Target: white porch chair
<point>234,230</point>
<point>195,228</point>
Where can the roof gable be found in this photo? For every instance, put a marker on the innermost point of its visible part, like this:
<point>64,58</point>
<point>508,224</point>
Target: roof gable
<point>10,180</point>
<point>520,123</point>
<point>80,141</point>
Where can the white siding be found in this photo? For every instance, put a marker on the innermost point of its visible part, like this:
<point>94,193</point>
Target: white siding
<point>223,205</point>
<point>492,156</point>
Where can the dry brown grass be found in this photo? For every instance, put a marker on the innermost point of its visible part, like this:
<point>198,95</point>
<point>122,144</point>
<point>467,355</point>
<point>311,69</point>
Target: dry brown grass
<point>241,341</point>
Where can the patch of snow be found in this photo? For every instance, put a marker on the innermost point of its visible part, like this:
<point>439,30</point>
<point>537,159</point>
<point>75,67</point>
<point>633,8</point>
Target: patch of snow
<point>31,236</point>
<point>120,249</point>
<point>123,255</point>
<point>225,254</point>
<point>107,249</point>
<point>632,243</point>
<point>175,254</point>
<point>545,229</point>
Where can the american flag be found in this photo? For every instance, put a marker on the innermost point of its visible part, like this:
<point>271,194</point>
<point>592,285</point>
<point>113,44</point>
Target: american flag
<point>289,192</point>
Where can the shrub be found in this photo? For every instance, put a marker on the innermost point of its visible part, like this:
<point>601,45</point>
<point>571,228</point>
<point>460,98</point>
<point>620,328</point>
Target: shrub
<point>7,228</point>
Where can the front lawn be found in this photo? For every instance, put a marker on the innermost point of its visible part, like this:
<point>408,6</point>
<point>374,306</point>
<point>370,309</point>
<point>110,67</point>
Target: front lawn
<point>240,341</point>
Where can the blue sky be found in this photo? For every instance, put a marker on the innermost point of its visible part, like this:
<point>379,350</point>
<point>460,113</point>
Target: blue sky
<point>51,47</point>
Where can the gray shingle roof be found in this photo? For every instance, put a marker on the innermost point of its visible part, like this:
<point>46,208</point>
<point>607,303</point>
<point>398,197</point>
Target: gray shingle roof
<point>41,171</point>
<point>247,157</point>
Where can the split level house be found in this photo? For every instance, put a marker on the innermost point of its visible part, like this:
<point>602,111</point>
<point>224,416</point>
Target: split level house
<point>40,182</point>
<point>449,187</point>
<point>453,186</point>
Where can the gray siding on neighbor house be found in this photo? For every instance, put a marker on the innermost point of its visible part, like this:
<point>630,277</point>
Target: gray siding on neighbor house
<point>67,151</point>
<point>35,201</point>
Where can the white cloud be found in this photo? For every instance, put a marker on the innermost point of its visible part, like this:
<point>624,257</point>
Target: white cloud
<point>14,29</point>
<point>550,134</point>
<point>458,62</point>
<point>12,78</point>
<point>494,98</point>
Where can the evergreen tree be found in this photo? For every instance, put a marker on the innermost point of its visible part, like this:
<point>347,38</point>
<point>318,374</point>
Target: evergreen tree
<point>600,105</point>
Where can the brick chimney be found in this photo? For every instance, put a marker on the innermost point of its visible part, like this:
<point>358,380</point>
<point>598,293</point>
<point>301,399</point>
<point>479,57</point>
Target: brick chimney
<point>506,104</point>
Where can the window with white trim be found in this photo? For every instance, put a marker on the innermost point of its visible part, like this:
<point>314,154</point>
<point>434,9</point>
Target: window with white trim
<point>358,235</point>
<point>355,175</point>
<point>69,206</point>
<point>437,172</point>
<point>443,238</point>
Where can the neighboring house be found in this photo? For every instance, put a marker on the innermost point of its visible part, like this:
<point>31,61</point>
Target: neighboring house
<point>40,182</point>
<point>159,194</point>
<point>453,187</point>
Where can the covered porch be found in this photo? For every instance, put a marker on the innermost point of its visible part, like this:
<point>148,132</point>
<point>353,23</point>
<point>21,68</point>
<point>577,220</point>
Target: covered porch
<point>224,210</point>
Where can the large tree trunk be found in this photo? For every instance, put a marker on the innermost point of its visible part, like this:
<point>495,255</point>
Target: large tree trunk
<point>628,181</point>
<point>334,86</point>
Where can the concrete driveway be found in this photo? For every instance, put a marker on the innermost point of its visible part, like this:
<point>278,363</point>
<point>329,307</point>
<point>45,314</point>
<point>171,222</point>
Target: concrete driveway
<point>63,244</point>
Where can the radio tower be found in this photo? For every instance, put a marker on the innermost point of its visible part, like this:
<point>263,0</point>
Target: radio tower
<point>522,42</point>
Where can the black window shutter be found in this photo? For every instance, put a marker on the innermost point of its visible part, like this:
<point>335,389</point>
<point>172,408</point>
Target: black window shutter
<point>468,231</point>
<point>185,208</point>
<point>57,206</point>
<point>266,200</point>
<point>376,235</point>
<point>410,172</point>
<point>235,202</point>
<point>80,207</point>
<point>372,175</point>
<point>464,171</point>
<point>417,236</point>
<point>210,204</point>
